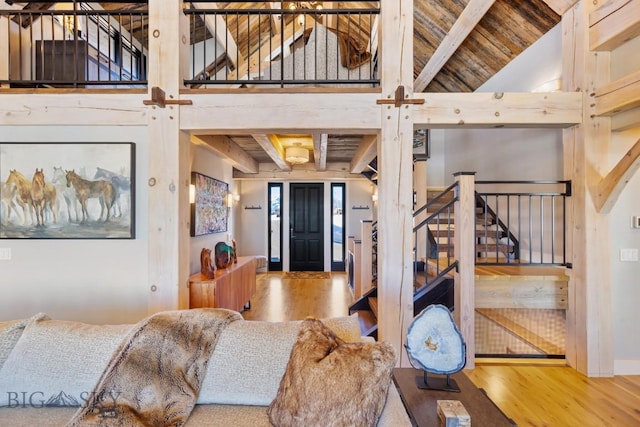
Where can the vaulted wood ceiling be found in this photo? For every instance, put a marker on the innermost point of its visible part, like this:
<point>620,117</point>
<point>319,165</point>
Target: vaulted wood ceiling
<point>458,45</point>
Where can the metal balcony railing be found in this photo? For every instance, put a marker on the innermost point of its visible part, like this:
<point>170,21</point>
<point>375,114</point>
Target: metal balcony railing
<point>283,44</point>
<point>272,44</point>
<point>78,48</point>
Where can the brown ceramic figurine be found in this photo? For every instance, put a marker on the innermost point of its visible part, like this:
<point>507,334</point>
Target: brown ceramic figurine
<point>206,267</point>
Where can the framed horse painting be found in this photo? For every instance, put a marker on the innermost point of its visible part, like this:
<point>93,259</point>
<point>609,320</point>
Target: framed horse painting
<point>67,190</point>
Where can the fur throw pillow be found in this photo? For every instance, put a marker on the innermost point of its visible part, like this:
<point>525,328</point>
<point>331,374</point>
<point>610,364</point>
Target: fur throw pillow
<point>330,382</point>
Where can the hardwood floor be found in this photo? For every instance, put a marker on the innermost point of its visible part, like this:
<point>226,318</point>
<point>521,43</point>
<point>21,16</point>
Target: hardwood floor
<point>532,394</point>
<point>279,298</point>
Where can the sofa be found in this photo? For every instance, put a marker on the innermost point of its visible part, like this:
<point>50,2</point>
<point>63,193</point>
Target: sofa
<point>50,370</point>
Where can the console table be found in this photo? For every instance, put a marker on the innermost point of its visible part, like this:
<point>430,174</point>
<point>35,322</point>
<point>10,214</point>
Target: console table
<point>421,404</point>
<point>232,288</point>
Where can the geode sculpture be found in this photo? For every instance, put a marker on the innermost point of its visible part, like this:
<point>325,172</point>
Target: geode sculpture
<point>435,345</point>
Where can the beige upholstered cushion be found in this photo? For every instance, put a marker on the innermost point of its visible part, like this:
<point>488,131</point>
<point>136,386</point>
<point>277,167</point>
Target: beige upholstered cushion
<point>332,383</point>
<point>11,331</point>
<point>57,362</point>
<point>251,357</point>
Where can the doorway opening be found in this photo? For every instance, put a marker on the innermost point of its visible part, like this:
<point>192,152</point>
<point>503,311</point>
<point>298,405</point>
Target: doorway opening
<point>306,238</point>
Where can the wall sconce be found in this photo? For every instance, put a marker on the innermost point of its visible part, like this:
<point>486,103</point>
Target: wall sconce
<point>192,193</point>
<point>231,198</point>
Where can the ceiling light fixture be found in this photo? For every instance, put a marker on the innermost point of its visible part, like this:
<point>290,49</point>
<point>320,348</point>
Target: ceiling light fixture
<point>305,5</point>
<point>296,155</point>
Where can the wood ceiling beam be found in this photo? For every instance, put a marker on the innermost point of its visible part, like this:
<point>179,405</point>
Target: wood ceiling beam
<point>229,150</point>
<point>617,96</point>
<point>276,20</point>
<point>218,27</point>
<point>320,141</point>
<point>466,22</point>
<point>273,147</point>
<point>610,187</point>
<point>560,6</point>
<point>373,43</point>
<point>614,23</point>
<point>307,171</point>
<point>366,152</point>
<point>477,110</point>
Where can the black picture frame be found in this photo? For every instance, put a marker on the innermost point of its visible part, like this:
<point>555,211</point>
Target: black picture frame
<point>209,208</point>
<point>98,203</point>
<point>421,144</point>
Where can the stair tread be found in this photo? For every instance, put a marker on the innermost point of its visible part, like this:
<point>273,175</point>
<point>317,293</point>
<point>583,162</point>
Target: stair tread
<point>367,320</point>
<point>373,303</point>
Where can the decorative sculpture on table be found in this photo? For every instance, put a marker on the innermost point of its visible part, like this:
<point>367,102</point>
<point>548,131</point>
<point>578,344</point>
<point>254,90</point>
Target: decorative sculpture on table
<point>235,252</point>
<point>435,345</point>
<point>206,268</point>
<point>225,255</point>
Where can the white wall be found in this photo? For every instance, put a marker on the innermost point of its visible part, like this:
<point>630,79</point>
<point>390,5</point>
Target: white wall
<point>96,281</point>
<point>205,162</point>
<point>625,296</point>
<point>358,195</point>
<point>504,153</point>
<point>252,223</point>
<point>625,285</point>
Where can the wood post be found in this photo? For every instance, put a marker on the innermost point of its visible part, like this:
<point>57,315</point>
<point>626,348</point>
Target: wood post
<point>395,152</point>
<point>464,253</point>
<point>589,346</point>
<point>168,231</point>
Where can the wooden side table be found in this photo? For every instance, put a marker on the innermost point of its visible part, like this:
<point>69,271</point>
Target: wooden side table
<point>232,287</point>
<point>422,407</point>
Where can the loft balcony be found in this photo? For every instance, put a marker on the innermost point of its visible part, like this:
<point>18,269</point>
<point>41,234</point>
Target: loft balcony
<point>231,45</point>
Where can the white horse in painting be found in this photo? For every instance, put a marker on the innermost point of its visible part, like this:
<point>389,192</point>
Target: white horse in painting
<point>68,194</point>
<point>8,199</point>
<point>85,190</point>
<point>43,195</point>
<point>22,187</point>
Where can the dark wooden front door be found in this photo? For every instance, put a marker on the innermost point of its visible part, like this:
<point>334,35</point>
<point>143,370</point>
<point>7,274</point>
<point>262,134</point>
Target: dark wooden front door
<point>307,227</point>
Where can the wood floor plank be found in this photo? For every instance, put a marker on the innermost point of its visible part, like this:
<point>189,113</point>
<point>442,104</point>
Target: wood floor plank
<point>559,396</point>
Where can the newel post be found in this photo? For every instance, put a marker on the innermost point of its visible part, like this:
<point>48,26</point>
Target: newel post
<point>464,253</point>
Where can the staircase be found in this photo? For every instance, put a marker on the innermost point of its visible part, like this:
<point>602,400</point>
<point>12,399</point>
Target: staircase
<point>493,240</point>
<point>520,303</point>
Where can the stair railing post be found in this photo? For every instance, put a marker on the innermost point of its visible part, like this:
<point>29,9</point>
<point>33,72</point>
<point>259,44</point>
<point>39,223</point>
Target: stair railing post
<point>464,253</point>
<point>366,270</point>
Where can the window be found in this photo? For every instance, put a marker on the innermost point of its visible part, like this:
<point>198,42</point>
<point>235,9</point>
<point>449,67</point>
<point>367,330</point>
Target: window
<point>337,226</point>
<point>275,226</point>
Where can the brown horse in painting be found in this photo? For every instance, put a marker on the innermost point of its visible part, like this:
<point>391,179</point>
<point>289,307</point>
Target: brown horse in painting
<point>85,190</point>
<point>22,187</point>
<point>43,194</point>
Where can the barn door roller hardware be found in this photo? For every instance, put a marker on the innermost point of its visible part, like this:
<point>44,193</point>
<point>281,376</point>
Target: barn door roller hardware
<point>158,98</point>
<point>400,99</point>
